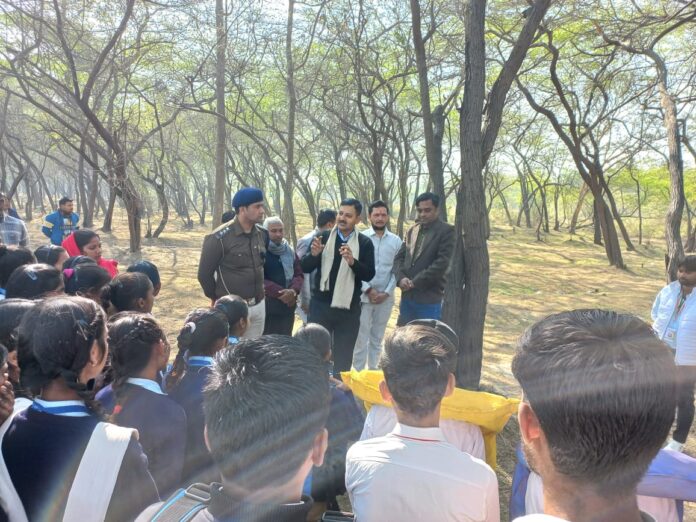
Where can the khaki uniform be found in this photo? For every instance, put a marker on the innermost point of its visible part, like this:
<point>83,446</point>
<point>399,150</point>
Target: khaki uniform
<point>232,262</point>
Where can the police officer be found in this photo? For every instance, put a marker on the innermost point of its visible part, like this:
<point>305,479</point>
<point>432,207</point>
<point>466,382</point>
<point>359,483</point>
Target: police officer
<point>233,256</point>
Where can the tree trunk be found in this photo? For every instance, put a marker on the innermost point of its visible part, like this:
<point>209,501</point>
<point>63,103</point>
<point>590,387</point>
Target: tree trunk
<point>221,126</point>
<point>109,213</point>
<point>576,213</point>
<point>288,210</point>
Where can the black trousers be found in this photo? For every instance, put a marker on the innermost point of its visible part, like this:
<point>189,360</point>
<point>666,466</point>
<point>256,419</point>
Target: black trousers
<point>343,325</point>
<point>686,379</point>
<point>279,318</point>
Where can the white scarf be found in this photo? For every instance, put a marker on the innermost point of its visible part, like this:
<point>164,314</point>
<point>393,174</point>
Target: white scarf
<point>345,280</point>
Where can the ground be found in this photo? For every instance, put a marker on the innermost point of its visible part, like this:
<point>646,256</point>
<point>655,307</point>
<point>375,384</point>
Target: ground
<point>529,279</point>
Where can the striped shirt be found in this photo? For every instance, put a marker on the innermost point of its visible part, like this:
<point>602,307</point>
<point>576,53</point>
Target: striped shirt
<point>13,231</point>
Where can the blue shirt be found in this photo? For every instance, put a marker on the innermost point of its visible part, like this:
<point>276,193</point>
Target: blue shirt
<point>57,226</point>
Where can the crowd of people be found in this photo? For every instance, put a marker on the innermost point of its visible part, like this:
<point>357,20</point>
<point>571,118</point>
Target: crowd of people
<point>251,421</point>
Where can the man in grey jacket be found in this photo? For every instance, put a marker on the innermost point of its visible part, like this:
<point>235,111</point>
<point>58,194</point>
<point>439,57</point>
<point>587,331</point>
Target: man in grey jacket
<point>377,295</point>
<point>422,264</point>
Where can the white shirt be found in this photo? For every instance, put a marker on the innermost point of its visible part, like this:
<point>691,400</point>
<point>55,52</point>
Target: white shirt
<point>462,435</point>
<point>541,517</point>
<point>412,474</point>
<point>661,509</point>
<point>662,310</point>
<point>386,248</point>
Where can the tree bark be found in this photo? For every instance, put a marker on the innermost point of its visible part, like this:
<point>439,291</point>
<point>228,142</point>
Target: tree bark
<point>220,125</point>
<point>288,209</point>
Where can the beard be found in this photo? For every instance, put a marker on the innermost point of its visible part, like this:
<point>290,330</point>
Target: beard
<point>378,228</point>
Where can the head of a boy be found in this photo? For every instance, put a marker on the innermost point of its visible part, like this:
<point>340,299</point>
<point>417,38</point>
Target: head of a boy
<point>598,399</point>
<point>266,406</point>
<point>418,364</point>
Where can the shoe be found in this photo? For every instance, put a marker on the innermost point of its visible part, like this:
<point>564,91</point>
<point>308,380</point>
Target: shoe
<point>675,446</point>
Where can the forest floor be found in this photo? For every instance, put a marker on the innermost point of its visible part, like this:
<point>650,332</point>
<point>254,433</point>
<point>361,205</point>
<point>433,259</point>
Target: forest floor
<point>529,280</point>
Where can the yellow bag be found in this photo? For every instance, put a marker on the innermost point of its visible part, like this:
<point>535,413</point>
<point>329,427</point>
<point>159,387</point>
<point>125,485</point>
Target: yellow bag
<point>488,411</point>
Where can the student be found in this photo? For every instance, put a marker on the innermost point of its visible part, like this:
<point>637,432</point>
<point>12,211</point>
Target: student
<point>51,255</point>
<point>151,271</point>
<point>87,280</point>
<point>266,405</point>
<point>53,449</point>
<point>462,435</point>
<point>598,402</point>
<point>129,292</point>
<point>7,399</point>
<point>87,243</point>
<point>204,334</point>
<point>237,312</point>
<point>74,261</point>
<point>10,259</point>
<point>139,351</point>
<point>11,313</point>
<point>343,424</point>
<point>34,282</point>
<point>413,473</point>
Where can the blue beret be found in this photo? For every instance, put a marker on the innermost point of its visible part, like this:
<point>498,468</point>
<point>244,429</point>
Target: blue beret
<point>247,196</point>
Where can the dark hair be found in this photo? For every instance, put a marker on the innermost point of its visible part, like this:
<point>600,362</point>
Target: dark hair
<point>3,355</point>
<point>264,404</point>
<point>203,326</point>
<point>316,336</point>
<point>688,263</point>
<point>352,202</point>
<point>124,289</point>
<point>64,200</point>
<point>55,338</point>
<point>377,204</point>
<point>428,196</point>
<point>147,268</point>
<point>228,216</point>
<point>84,236</point>
<point>417,362</point>
<point>12,257</point>
<point>75,261</point>
<point>602,386</point>
<point>325,216</point>
<point>85,278</point>
<point>33,281</point>
<point>132,337</point>
<point>49,254</point>
<point>11,313</point>
<point>234,307</point>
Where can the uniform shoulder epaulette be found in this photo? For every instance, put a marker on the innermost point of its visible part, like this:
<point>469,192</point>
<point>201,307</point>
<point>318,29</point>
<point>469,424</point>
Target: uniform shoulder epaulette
<point>222,230</point>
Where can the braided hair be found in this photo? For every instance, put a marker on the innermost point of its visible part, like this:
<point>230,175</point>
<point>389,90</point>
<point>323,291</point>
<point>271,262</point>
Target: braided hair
<point>203,327</point>
<point>54,341</point>
<point>124,290</point>
<point>132,338</point>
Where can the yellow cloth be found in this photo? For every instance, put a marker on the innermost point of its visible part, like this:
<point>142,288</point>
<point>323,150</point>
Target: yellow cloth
<point>488,411</point>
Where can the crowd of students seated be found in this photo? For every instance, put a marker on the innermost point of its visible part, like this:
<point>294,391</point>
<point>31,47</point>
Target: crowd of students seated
<point>95,424</point>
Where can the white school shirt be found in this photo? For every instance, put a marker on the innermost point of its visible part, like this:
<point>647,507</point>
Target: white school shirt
<point>412,474</point>
<point>541,517</point>
<point>660,509</point>
<point>462,435</point>
<point>662,310</point>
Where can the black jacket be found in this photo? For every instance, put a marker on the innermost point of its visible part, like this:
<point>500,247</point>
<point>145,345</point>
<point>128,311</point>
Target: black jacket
<point>363,268</point>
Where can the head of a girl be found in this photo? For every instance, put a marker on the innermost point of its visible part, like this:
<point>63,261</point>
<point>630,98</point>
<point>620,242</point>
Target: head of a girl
<point>237,312</point>
<point>11,313</point>
<point>89,243</point>
<point>61,342</point>
<point>35,282</point>
<point>86,280</point>
<point>138,347</point>
<point>51,255</point>
<point>316,336</point>
<point>129,292</point>
<point>11,258</point>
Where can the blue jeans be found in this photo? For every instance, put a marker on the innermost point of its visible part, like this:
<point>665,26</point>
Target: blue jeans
<point>410,310</point>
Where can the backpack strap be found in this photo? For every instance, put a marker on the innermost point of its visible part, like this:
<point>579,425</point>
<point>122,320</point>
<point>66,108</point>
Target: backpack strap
<point>9,499</point>
<point>184,504</point>
<point>89,497</point>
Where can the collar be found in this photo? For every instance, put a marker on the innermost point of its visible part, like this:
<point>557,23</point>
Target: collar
<point>418,434</point>
<point>223,506</point>
<point>344,238</point>
<point>232,340</point>
<point>149,385</point>
<point>2,291</point>
<point>198,361</point>
<point>62,408</point>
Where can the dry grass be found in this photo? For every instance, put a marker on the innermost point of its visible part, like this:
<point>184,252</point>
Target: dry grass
<point>529,279</point>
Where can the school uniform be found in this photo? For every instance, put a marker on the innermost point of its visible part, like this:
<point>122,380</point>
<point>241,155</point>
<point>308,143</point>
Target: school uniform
<point>161,424</point>
<point>42,450</point>
<point>188,393</point>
